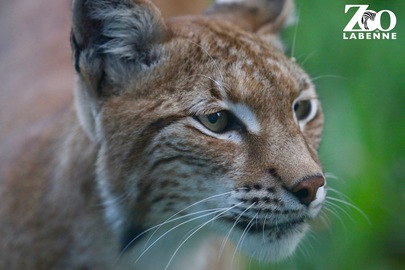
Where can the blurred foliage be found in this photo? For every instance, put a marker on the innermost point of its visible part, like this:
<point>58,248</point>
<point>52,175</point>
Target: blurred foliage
<point>362,87</point>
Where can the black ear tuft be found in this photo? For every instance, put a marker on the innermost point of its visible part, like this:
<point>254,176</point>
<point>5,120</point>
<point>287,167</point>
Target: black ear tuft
<point>118,36</point>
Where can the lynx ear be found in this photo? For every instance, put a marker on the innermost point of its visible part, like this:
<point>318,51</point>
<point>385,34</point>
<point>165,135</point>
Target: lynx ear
<point>112,41</point>
<point>261,16</point>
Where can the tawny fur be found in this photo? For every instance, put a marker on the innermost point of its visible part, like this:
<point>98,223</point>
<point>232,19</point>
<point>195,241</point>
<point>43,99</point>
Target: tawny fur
<point>131,153</point>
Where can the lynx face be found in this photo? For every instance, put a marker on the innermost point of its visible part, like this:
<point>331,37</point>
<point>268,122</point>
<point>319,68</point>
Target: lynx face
<point>201,122</point>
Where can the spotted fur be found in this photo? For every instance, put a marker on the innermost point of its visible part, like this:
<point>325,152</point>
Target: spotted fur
<point>132,179</point>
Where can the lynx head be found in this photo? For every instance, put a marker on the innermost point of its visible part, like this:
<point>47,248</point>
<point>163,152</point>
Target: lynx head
<point>200,119</point>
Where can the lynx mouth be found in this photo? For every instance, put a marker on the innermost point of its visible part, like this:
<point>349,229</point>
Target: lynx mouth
<point>269,241</point>
<point>271,229</point>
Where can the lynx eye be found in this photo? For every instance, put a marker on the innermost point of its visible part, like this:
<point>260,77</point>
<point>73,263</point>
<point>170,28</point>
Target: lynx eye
<point>302,109</point>
<point>216,122</point>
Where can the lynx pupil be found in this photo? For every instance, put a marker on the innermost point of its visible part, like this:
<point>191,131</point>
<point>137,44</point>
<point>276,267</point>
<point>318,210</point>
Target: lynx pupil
<point>213,118</point>
<point>302,109</point>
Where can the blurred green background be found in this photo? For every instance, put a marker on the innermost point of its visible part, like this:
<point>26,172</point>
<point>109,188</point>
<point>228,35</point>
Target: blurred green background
<point>362,88</point>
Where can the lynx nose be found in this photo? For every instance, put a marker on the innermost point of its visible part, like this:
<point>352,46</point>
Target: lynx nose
<point>306,190</point>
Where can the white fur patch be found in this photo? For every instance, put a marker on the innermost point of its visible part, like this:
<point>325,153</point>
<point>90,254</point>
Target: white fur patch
<point>246,115</point>
<point>307,94</point>
<point>315,205</point>
<point>113,213</point>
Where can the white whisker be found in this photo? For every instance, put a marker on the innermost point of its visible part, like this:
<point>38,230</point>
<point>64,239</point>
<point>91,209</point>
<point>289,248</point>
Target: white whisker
<point>212,59</point>
<point>339,208</point>
<point>326,220</point>
<point>327,76</point>
<point>331,175</point>
<point>352,206</point>
<point>303,250</point>
<point>188,207</point>
<point>230,231</point>
<point>340,194</point>
<point>307,58</point>
<point>196,230</point>
<point>295,36</point>
<point>264,226</point>
<point>334,213</point>
<point>205,76</point>
<point>245,231</point>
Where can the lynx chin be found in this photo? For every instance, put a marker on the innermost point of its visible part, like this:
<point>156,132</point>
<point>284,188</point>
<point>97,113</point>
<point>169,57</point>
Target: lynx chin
<point>190,139</point>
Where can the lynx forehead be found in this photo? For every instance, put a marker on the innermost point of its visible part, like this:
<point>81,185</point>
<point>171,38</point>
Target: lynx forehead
<point>240,75</point>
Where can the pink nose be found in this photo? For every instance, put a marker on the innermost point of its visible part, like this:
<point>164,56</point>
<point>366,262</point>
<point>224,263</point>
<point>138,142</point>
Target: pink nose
<point>306,190</point>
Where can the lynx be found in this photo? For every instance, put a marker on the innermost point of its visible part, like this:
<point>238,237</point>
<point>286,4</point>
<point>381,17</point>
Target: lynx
<point>189,139</point>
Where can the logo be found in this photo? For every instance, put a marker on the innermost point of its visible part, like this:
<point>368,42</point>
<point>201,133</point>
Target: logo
<point>366,23</point>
